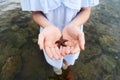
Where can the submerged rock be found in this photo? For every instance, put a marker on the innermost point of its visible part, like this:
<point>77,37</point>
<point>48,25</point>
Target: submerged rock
<point>21,59</point>
<point>11,68</point>
<point>108,43</point>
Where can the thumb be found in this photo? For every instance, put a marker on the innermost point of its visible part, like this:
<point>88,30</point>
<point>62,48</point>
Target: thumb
<point>41,40</point>
<point>81,40</point>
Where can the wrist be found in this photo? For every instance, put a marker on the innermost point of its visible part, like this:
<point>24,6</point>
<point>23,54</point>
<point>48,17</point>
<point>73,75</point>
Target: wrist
<point>72,26</point>
<point>47,25</point>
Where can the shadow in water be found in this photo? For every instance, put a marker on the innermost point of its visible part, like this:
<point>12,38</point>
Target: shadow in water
<point>67,75</point>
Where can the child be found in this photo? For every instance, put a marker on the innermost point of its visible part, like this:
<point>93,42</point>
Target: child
<point>61,34</point>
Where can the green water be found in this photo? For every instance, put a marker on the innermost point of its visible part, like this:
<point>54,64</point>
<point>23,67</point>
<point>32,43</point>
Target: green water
<point>21,59</point>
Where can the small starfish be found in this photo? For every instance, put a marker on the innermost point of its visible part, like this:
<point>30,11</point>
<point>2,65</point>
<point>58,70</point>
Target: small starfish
<point>61,42</point>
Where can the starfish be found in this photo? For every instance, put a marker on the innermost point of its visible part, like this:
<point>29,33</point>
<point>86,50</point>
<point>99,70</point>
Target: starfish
<point>61,42</point>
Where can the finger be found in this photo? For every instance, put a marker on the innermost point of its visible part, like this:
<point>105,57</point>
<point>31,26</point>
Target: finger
<point>58,52</point>
<point>63,51</point>
<point>67,50</point>
<point>76,49</point>
<point>71,49</point>
<point>54,53</point>
<point>41,40</point>
<point>81,41</point>
<point>48,52</point>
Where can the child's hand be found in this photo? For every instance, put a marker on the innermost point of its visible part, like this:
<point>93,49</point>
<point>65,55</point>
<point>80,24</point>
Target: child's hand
<point>47,39</point>
<point>76,40</point>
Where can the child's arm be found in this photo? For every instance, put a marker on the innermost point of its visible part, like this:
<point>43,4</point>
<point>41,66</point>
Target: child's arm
<point>81,18</point>
<point>40,19</point>
<point>48,37</point>
<point>73,34</point>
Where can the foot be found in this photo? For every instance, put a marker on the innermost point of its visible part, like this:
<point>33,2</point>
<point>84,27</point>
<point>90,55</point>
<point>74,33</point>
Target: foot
<point>57,71</point>
<point>65,65</point>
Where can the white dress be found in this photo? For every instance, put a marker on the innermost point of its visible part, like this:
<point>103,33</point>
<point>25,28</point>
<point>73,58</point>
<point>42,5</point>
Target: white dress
<point>60,13</point>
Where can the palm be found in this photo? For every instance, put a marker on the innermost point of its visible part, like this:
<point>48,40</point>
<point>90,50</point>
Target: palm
<point>75,39</point>
<point>47,40</point>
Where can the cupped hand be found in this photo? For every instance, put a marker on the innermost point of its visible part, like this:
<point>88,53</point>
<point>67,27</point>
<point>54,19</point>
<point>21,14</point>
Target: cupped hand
<point>76,40</point>
<point>47,39</point>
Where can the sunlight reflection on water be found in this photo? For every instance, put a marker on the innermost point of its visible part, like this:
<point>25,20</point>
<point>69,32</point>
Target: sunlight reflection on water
<point>6,5</point>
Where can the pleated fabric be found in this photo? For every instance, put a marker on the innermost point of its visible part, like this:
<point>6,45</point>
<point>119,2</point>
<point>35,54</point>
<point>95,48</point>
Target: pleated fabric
<point>48,5</point>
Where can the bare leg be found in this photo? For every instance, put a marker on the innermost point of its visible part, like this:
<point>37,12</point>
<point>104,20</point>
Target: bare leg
<point>65,64</point>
